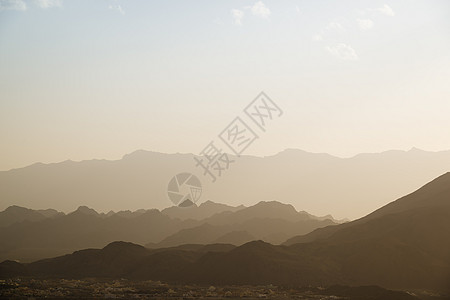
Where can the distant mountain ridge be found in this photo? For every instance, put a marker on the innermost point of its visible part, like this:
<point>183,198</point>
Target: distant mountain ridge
<point>139,180</point>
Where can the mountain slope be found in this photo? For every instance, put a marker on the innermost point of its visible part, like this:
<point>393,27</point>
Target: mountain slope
<point>404,245</point>
<point>434,194</point>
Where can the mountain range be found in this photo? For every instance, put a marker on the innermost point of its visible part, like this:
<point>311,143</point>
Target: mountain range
<point>318,183</point>
<point>402,245</point>
<point>28,235</point>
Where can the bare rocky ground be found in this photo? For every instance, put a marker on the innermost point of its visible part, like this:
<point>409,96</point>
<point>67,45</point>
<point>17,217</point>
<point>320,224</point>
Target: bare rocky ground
<point>94,288</point>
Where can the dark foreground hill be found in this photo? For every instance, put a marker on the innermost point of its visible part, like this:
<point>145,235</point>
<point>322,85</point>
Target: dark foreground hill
<point>404,245</point>
<point>255,263</point>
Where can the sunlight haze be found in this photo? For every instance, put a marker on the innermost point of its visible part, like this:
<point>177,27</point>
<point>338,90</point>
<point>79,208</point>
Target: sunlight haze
<point>100,79</point>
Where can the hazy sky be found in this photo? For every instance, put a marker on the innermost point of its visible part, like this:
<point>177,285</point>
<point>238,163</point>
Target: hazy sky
<point>98,79</point>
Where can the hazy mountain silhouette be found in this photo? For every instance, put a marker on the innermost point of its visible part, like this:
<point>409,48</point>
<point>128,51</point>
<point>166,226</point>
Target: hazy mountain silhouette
<point>17,214</point>
<point>403,245</point>
<point>203,211</point>
<point>318,183</point>
<point>264,209</point>
<point>202,234</point>
<point>237,238</point>
<point>272,222</point>
<point>83,228</point>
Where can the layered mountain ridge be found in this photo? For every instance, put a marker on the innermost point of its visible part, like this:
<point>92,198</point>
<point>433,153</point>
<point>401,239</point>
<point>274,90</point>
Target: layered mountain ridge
<point>403,245</point>
<point>26,238</point>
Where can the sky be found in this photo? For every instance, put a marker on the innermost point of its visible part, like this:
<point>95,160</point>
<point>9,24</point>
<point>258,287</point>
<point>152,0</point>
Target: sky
<point>84,79</point>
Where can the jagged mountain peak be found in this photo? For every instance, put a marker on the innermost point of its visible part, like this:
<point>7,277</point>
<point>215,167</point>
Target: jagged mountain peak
<point>86,210</point>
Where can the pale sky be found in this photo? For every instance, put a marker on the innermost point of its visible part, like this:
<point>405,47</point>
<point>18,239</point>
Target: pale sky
<point>83,79</point>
